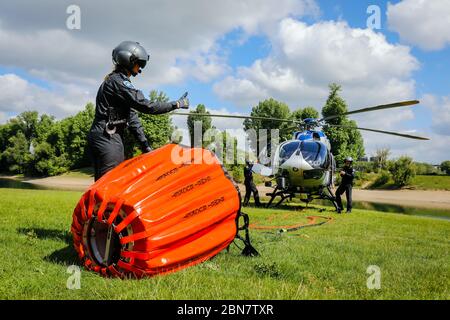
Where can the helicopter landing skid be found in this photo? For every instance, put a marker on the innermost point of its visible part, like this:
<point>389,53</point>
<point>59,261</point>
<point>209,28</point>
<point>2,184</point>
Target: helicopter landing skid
<point>283,194</point>
<point>279,193</point>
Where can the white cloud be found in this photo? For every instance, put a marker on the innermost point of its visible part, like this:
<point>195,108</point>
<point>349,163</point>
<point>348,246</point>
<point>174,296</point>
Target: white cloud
<point>432,151</point>
<point>437,109</point>
<point>20,95</point>
<point>421,22</point>
<point>181,36</point>
<point>440,108</point>
<point>306,58</point>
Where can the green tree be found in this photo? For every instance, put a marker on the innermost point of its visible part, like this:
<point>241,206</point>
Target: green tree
<point>16,155</point>
<point>26,123</point>
<point>269,108</point>
<point>424,168</point>
<point>205,121</point>
<point>402,171</point>
<point>344,141</point>
<point>75,130</point>
<point>157,128</point>
<point>17,136</point>
<point>5,134</point>
<point>381,157</point>
<point>302,114</point>
<point>445,167</point>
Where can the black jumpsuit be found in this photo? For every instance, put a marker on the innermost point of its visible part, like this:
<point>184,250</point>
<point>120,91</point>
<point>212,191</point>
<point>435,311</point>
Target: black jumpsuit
<point>346,186</point>
<point>250,186</point>
<point>117,99</point>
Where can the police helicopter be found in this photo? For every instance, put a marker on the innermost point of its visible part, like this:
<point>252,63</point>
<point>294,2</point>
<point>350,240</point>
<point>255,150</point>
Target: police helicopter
<point>305,165</point>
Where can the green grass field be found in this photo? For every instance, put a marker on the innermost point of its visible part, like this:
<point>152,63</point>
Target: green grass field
<point>419,182</point>
<point>431,182</point>
<point>325,262</point>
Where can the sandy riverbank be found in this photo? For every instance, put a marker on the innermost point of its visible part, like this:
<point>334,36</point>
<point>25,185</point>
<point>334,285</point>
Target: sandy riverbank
<point>436,199</point>
<point>414,198</point>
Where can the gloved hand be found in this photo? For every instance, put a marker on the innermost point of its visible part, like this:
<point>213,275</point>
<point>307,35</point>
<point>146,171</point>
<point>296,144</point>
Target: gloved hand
<point>183,102</point>
<point>145,147</point>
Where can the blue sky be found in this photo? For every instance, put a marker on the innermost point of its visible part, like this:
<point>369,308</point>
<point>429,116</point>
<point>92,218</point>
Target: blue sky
<point>432,77</point>
<point>230,56</point>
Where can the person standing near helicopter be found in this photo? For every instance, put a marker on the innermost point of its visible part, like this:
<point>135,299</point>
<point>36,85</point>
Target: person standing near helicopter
<point>116,105</point>
<point>250,186</point>
<point>347,176</point>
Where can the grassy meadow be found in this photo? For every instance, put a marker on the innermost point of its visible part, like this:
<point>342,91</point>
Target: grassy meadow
<point>325,262</point>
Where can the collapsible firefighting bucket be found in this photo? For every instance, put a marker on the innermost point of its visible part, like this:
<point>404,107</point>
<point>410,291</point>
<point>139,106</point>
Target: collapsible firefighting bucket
<point>159,212</point>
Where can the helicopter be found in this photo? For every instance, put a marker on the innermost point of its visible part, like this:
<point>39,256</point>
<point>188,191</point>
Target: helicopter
<point>305,165</point>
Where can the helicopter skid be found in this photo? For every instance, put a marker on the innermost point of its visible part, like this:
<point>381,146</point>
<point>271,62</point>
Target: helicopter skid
<point>310,196</point>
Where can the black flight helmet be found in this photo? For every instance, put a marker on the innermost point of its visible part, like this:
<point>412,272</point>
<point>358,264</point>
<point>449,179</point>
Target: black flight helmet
<point>128,53</point>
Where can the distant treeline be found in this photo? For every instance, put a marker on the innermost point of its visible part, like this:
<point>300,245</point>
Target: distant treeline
<point>39,145</point>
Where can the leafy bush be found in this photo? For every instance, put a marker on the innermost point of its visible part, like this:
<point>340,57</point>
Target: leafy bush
<point>445,167</point>
<point>363,166</point>
<point>237,172</point>
<point>382,179</point>
<point>402,170</point>
<point>425,169</point>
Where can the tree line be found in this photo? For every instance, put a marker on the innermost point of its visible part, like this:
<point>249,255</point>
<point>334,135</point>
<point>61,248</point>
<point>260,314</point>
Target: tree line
<point>40,145</point>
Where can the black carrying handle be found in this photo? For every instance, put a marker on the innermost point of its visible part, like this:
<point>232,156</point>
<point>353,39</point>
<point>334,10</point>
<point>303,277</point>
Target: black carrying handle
<point>248,250</point>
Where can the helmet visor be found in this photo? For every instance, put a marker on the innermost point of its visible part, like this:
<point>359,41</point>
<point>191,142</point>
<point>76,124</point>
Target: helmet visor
<point>142,63</point>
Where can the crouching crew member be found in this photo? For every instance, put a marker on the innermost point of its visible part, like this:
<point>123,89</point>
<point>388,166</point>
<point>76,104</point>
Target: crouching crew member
<point>250,186</point>
<point>348,175</point>
<point>116,109</point>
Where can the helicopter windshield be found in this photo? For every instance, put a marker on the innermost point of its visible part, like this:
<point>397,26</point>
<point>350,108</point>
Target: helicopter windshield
<point>315,153</point>
<point>287,150</point>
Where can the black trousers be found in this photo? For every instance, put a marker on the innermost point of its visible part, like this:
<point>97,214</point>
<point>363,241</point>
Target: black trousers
<point>347,188</point>
<point>106,151</point>
<point>250,188</point>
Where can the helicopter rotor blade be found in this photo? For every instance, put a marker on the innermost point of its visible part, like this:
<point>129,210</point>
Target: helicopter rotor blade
<point>379,107</point>
<point>404,135</point>
<point>232,116</point>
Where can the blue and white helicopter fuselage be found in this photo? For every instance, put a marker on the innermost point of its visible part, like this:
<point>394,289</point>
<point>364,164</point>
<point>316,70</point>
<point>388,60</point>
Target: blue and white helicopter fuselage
<point>302,165</point>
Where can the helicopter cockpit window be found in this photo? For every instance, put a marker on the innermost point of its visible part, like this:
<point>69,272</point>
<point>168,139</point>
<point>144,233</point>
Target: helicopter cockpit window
<point>315,153</point>
<point>287,150</point>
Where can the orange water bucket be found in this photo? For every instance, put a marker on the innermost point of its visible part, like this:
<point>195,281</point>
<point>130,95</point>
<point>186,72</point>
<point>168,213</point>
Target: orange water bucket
<point>153,215</point>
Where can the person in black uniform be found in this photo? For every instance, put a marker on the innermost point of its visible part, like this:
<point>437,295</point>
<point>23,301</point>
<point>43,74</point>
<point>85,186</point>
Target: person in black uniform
<point>250,186</point>
<point>116,109</point>
<point>348,175</point>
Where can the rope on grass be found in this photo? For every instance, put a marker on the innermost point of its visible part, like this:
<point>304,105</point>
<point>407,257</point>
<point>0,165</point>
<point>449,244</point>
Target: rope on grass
<point>312,222</point>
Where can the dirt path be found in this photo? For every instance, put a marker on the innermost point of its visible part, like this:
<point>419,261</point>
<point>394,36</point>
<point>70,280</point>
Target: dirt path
<point>412,198</point>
